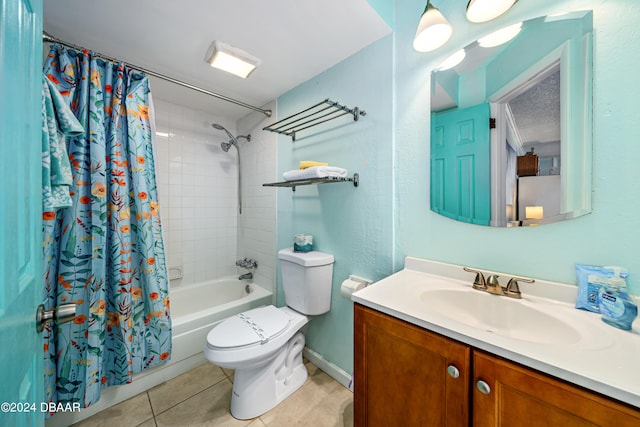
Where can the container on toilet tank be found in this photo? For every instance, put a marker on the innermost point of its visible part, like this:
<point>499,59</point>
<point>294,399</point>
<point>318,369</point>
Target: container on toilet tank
<point>306,280</point>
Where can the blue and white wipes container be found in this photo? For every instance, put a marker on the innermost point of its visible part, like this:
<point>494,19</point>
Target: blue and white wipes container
<point>616,305</point>
<point>303,243</point>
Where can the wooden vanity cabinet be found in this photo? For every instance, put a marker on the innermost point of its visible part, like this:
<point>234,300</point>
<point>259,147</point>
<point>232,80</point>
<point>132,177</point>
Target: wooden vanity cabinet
<point>402,374</point>
<point>401,379</point>
<point>519,396</point>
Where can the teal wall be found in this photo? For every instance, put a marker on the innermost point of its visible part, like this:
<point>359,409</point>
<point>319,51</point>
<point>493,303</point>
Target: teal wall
<point>372,228</point>
<point>609,235</point>
<point>353,224</point>
<point>384,8</point>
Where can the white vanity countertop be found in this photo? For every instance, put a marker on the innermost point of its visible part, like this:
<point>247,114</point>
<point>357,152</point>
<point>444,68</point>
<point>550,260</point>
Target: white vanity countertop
<point>606,361</point>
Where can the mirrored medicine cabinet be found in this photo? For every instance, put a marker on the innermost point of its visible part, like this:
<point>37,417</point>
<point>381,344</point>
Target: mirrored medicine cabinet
<point>511,126</point>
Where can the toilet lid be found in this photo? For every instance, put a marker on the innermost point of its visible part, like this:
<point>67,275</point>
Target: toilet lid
<point>255,326</point>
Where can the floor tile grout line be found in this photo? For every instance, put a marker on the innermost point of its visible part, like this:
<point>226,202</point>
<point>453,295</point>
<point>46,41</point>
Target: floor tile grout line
<point>153,413</point>
<point>184,400</point>
<point>150,404</point>
<point>228,376</point>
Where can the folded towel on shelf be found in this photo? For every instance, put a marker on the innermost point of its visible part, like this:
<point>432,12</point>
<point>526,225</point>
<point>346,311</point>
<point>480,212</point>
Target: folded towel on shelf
<point>315,172</point>
<point>304,164</point>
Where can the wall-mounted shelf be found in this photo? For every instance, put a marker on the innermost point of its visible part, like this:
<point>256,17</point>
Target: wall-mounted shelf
<point>316,114</point>
<point>329,179</point>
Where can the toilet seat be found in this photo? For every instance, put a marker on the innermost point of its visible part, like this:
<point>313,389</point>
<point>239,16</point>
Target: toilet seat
<point>252,327</point>
<point>240,348</point>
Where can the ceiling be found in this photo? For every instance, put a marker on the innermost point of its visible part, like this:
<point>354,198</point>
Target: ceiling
<point>295,39</point>
<point>536,107</point>
<point>537,111</point>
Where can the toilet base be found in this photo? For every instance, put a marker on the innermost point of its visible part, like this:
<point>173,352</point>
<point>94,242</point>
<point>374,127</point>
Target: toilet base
<point>257,390</point>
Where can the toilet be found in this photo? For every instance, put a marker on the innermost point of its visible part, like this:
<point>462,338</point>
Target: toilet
<point>264,345</point>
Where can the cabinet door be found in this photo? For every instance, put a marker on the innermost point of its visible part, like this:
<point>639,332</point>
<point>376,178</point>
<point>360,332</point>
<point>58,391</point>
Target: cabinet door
<point>519,396</point>
<point>401,374</point>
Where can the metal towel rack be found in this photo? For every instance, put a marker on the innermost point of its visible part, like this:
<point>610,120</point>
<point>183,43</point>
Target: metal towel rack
<point>321,112</point>
<point>309,181</point>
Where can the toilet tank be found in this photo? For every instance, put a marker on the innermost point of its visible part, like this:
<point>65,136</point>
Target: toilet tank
<point>306,280</point>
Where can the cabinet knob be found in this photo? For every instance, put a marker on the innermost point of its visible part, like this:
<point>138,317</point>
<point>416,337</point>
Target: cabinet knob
<point>453,371</point>
<point>483,387</point>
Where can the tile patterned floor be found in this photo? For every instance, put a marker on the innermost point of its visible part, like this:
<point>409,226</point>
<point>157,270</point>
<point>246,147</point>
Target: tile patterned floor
<point>201,397</point>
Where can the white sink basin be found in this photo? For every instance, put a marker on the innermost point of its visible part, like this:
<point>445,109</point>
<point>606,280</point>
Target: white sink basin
<point>515,319</point>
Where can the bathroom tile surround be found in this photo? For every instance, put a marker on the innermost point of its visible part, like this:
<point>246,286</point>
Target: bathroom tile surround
<point>257,224</point>
<point>197,184</point>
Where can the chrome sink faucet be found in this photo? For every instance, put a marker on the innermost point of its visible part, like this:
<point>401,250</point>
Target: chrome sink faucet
<point>512,290</point>
<point>478,283</point>
<point>492,285</point>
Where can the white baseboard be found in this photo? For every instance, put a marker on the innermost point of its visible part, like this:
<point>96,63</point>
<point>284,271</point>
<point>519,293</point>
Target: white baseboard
<point>331,369</point>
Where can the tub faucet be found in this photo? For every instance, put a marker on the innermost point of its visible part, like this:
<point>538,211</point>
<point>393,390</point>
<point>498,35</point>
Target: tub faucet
<point>244,276</point>
<point>247,263</point>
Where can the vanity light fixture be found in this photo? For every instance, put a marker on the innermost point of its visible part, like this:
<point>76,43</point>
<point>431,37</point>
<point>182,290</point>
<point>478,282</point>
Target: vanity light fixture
<point>231,59</point>
<point>486,10</point>
<point>433,30</point>
<point>453,60</point>
<point>501,36</point>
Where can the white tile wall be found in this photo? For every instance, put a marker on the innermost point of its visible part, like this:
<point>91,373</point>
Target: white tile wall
<point>197,189</point>
<point>257,224</point>
<point>197,184</point>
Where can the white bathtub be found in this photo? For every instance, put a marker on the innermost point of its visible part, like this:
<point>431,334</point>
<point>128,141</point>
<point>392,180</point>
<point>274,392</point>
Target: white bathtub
<point>195,309</point>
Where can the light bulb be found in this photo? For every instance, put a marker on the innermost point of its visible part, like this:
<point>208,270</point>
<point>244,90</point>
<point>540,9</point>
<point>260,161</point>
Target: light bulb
<point>501,36</point>
<point>433,31</point>
<point>486,10</point>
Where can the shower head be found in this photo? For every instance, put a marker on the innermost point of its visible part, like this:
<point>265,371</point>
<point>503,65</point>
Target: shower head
<point>220,127</point>
<point>232,139</point>
<point>225,147</point>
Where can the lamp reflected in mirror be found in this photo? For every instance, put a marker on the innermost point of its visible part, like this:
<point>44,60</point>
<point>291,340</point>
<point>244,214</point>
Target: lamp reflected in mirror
<point>534,212</point>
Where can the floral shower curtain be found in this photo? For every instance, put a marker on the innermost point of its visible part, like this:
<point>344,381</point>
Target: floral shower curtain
<point>105,253</point>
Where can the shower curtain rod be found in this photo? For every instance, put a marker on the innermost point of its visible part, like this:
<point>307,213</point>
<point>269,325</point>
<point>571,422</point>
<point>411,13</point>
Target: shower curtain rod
<point>49,38</point>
